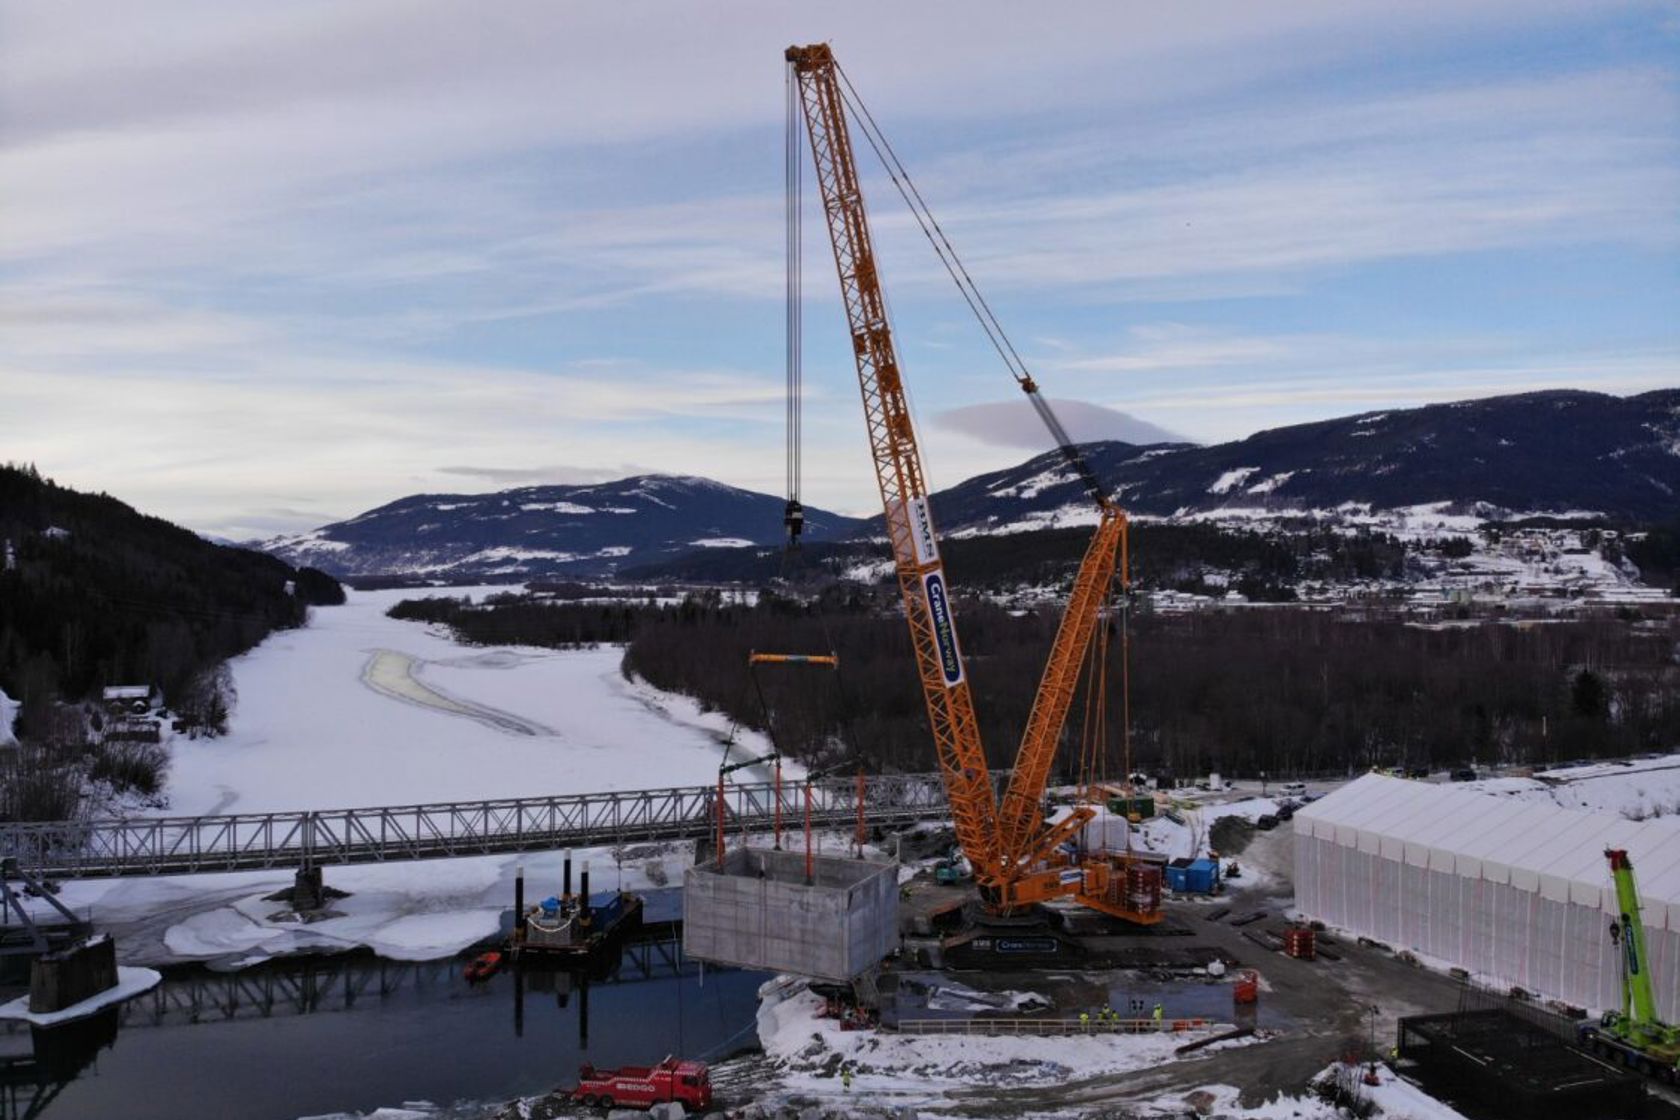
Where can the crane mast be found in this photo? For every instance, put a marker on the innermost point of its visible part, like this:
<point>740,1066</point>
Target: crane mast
<point>898,467</point>
<point>1017,860</point>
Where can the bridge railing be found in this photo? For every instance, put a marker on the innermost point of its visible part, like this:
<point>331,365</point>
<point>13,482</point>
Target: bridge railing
<point>255,841</point>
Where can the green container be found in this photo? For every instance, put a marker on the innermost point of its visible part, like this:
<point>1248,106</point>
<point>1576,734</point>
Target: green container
<point>1143,807</point>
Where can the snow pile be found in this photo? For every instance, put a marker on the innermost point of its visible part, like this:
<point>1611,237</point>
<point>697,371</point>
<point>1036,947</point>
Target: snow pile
<point>8,716</point>
<point>130,983</point>
<point>808,1052</point>
<point>1185,838</point>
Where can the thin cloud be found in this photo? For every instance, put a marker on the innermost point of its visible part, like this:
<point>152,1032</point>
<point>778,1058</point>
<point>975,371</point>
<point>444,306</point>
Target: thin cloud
<point>547,476</point>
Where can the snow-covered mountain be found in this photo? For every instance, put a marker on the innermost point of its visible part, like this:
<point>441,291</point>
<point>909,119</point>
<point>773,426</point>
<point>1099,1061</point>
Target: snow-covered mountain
<point>1548,452</point>
<point>1564,452</point>
<point>580,531</point>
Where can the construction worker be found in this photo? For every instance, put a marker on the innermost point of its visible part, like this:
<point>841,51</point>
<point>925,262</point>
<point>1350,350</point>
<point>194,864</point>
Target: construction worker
<point>845,1079</point>
<point>1085,1021</point>
<point>1157,1014</point>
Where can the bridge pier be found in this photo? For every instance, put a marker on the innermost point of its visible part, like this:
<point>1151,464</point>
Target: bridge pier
<point>69,976</point>
<point>309,897</point>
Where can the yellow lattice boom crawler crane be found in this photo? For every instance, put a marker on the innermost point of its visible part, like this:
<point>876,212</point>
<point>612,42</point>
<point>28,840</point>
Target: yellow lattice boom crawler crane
<point>1018,859</point>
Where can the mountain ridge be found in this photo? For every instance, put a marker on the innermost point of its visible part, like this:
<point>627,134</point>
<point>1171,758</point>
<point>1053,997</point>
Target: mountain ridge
<point>1557,452</point>
<point>582,530</point>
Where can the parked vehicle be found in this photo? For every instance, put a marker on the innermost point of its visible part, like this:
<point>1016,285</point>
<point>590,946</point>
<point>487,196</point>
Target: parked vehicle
<point>1294,789</point>
<point>1266,823</point>
<point>1464,775</point>
<point>952,871</point>
<point>688,1083</point>
<point>1421,773</point>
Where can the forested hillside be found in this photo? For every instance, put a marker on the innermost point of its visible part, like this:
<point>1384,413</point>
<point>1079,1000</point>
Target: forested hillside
<point>1284,690</point>
<point>93,593</point>
<point>1165,556</point>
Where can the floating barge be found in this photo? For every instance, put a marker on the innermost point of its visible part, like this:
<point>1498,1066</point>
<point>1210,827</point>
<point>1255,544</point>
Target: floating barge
<point>570,930</point>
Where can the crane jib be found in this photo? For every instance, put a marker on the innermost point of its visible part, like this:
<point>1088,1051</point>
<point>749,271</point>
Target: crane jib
<point>944,627</point>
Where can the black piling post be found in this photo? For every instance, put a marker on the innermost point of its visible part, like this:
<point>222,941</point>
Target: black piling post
<point>566,885</point>
<point>583,900</point>
<point>519,901</point>
<point>518,1000</point>
<point>583,1001</point>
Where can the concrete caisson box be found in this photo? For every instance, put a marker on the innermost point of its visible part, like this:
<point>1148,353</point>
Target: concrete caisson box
<point>758,912</point>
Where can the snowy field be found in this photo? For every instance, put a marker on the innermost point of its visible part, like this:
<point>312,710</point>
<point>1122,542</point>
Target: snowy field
<point>359,709</point>
<point>1638,790</point>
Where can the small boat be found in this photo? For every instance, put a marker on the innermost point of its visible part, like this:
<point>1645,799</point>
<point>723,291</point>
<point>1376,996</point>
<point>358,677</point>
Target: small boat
<point>484,966</point>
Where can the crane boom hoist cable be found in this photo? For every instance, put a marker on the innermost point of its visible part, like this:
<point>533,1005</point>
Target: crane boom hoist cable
<point>1017,859</point>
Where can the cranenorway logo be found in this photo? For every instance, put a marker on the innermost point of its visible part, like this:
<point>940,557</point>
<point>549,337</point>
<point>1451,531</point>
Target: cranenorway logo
<point>944,631</point>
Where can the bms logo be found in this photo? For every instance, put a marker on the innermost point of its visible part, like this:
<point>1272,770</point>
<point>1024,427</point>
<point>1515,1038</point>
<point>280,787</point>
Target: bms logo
<point>944,632</point>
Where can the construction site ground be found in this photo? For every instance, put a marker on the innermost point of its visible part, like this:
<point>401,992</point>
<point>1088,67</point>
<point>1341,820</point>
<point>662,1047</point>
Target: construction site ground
<point>1310,1013</point>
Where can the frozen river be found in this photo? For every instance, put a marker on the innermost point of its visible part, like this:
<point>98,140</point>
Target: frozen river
<point>360,709</point>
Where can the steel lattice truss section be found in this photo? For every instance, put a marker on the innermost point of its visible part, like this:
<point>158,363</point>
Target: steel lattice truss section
<point>259,841</point>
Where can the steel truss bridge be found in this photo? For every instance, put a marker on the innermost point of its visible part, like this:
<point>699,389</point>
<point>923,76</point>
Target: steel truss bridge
<point>262,841</point>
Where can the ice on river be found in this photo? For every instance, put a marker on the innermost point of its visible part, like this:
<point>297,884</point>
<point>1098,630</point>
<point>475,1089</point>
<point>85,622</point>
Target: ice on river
<point>359,709</point>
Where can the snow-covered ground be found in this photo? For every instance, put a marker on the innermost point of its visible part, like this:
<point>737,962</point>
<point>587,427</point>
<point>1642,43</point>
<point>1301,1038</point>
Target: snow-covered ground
<point>1393,1098</point>
<point>807,1053</point>
<point>359,709</point>
<point>1639,789</point>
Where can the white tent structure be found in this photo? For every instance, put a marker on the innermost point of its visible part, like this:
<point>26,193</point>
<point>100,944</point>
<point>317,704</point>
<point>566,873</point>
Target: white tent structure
<point>1518,893</point>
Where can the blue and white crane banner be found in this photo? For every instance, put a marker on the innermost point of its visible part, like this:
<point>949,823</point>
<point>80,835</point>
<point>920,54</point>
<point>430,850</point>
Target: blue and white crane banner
<point>944,628</point>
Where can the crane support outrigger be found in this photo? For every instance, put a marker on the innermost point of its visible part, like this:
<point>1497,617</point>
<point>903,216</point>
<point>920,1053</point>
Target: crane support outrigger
<point>1017,860</point>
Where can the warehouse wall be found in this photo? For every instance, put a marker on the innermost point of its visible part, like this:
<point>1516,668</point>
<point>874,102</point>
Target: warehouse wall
<point>1518,937</point>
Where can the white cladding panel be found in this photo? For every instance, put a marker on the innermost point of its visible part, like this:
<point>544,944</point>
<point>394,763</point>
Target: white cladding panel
<point>1512,890</point>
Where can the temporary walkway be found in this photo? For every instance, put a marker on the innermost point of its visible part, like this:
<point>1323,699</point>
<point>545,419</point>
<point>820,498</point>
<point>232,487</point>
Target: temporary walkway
<point>256,841</point>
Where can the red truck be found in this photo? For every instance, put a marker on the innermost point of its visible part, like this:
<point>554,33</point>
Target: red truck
<point>688,1083</point>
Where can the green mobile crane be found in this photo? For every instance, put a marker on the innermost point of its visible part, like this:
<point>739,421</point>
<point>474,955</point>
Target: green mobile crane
<point>1633,1036</point>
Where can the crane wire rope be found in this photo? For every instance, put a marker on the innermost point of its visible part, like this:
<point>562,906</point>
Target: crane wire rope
<point>794,326</point>
<point>1093,757</point>
<point>954,267</point>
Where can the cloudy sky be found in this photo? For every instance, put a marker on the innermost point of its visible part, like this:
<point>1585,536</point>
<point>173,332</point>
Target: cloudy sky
<point>263,266</point>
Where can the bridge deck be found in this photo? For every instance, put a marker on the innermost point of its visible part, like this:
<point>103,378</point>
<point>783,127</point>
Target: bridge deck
<point>257,841</point>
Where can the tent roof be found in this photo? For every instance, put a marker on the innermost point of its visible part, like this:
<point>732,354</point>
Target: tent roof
<point>1556,852</point>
